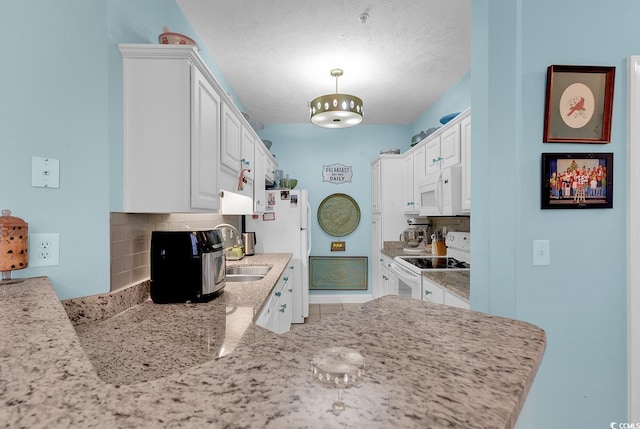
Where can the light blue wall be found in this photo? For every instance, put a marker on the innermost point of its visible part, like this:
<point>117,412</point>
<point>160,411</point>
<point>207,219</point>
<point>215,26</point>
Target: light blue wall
<point>301,151</point>
<point>54,104</point>
<point>61,97</point>
<point>580,299</point>
<point>456,99</point>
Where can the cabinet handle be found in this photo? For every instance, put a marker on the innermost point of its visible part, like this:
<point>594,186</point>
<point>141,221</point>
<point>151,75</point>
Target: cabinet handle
<point>283,307</point>
<point>286,279</point>
<point>291,290</point>
<point>278,294</point>
<point>427,292</point>
<point>291,267</point>
<point>437,159</point>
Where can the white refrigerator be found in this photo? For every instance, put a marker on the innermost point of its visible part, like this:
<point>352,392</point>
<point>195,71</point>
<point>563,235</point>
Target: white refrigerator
<point>284,228</point>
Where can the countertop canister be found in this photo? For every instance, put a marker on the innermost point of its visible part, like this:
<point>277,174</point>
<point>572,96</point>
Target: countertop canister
<point>14,244</point>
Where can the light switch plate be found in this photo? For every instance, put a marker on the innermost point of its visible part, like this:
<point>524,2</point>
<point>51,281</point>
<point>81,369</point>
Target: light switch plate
<point>45,172</point>
<point>541,252</point>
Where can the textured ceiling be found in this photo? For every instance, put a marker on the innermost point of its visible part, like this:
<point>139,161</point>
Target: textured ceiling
<point>277,54</point>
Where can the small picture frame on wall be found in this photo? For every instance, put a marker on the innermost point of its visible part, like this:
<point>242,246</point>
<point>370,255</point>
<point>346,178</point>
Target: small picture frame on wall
<point>577,181</point>
<point>578,104</point>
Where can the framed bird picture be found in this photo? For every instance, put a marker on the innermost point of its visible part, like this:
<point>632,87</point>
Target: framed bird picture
<point>579,104</point>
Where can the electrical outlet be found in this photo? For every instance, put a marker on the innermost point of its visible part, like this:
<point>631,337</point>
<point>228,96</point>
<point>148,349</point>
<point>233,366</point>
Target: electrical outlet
<point>44,250</point>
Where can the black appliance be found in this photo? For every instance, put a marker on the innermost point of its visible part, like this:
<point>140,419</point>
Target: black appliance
<point>187,266</point>
<point>436,263</point>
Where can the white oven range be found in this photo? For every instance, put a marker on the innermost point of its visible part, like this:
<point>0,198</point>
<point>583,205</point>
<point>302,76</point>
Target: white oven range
<point>408,269</point>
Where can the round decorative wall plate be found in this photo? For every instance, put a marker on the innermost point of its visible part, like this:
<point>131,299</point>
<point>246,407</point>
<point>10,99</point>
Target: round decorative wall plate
<point>338,215</point>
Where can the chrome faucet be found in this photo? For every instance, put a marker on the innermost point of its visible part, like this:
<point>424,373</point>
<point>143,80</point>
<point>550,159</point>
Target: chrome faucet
<point>228,236</point>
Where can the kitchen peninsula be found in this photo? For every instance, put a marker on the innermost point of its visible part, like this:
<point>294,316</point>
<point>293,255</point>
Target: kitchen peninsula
<point>426,366</point>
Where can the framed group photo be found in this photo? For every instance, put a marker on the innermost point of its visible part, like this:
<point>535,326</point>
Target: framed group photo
<point>577,180</point>
<point>578,104</point>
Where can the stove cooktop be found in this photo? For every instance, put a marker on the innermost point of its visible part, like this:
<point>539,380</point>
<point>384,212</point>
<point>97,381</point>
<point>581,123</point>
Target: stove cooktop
<point>435,263</point>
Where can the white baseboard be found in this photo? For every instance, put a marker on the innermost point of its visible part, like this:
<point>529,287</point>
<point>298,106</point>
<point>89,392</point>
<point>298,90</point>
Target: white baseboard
<point>340,299</point>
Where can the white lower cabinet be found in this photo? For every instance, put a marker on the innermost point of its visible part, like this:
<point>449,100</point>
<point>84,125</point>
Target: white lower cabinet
<point>388,279</point>
<point>435,293</point>
<point>276,315</point>
<point>432,292</point>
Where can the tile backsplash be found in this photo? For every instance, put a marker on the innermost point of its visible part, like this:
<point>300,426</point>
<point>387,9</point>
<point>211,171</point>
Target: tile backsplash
<point>131,240</point>
<point>453,223</point>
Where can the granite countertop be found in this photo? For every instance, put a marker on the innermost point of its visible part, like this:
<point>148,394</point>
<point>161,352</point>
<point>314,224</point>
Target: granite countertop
<point>427,366</point>
<point>149,341</point>
<point>456,282</point>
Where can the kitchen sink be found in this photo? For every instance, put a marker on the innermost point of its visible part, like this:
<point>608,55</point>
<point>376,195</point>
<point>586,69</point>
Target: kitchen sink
<point>247,273</point>
<point>258,270</point>
<point>244,277</point>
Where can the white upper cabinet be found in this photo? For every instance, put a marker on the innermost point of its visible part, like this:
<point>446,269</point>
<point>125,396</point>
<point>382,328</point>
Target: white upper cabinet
<point>435,163</point>
<point>205,141</point>
<point>184,138</point>
<point>450,146</point>
<point>443,150</point>
<point>248,152</point>
<point>432,159</point>
<point>408,194</point>
<point>231,141</point>
<point>171,131</point>
<point>259,184</point>
<point>420,172</point>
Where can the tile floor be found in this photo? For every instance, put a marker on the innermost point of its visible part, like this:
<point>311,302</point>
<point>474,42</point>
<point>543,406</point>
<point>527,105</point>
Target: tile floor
<point>317,311</point>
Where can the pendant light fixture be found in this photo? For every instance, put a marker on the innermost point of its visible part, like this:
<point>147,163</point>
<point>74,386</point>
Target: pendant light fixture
<point>336,110</point>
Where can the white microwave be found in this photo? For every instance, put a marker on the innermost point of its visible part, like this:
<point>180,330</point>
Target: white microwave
<point>441,194</point>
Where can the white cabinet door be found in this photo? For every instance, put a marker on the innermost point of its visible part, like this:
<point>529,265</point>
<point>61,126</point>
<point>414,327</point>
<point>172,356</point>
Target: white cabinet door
<point>376,246</point>
<point>408,190</point>
<point>171,131</point>
<point>276,314</point>
<point>390,281</point>
<point>246,174</point>
<point>432,158</point>
<point>205,143</point>
<point>259,181</point>
<point>248,151</point>
<point>432,292</point>
<point>465,149</point>
<point>450,146</point>
<point>455,301</point>
<point>231,139</point>
<point>271,167</point>
<point>376,188</point>
<point>285,309</point>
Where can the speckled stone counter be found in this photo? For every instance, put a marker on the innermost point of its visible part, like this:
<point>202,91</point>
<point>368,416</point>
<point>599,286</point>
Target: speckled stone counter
<point>456,282</point>
<point>427,366</point>
<point>150,341</point>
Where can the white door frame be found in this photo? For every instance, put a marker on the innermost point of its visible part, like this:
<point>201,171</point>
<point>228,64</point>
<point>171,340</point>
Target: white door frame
<point>633,243</point>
